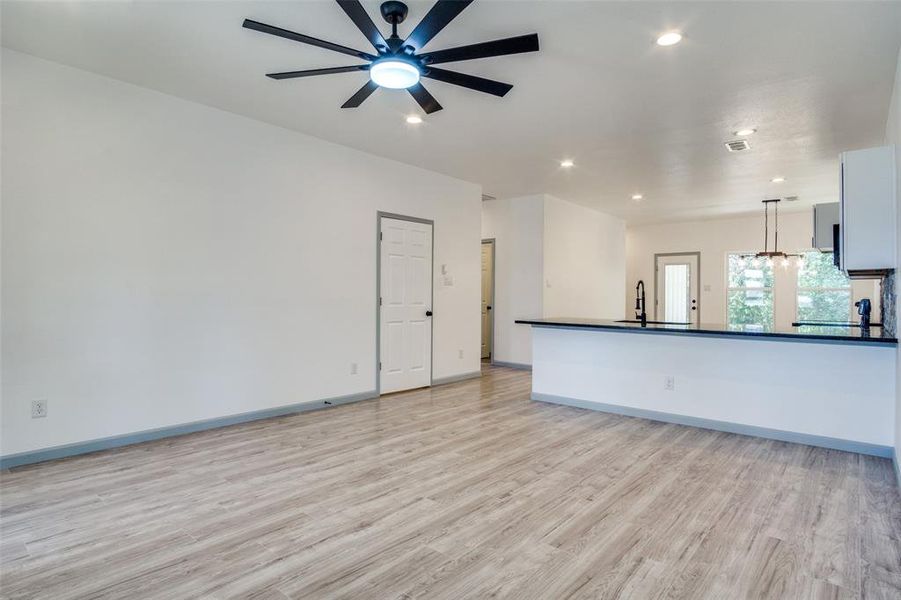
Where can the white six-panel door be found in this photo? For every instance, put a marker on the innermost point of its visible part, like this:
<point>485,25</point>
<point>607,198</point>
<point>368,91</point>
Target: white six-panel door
<point>405,340</point>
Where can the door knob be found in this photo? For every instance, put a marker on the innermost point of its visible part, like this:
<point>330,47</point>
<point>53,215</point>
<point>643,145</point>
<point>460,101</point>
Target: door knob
<point>428,313</point>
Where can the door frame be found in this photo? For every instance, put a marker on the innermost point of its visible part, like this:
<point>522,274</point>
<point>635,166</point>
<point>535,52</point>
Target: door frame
<point>378,294</point>
<point>493,242</point>
<point>657,292</point>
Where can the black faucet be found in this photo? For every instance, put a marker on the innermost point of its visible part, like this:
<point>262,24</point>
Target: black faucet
<point>640,303</point>
<point>863,309</point>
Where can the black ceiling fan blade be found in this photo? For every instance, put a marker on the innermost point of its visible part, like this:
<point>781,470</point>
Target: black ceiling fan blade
<point>480,84</point>
<point>424,99</point>
<point>311,72</point>
<point>361,95</point>
<point>304,39</point>
<point>442,13</point>
<point>513,45</point>
<point>364,23</point>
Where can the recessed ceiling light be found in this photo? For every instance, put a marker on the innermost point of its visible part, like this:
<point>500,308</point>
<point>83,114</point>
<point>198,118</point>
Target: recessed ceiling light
<point>744,132</point>
<point>414,119</point>
<point>637,196</point>
<point>777,179</point>
<point>669,38</point>
<point>566,163</point>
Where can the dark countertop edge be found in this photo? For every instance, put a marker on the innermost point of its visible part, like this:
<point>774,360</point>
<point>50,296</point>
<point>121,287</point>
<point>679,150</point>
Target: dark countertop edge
<point>770,335</point>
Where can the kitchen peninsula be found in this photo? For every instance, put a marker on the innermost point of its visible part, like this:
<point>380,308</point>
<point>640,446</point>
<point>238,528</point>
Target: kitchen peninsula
<point>820,385</point>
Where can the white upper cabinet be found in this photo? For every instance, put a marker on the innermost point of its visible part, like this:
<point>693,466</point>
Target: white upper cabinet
<point>868,210</point>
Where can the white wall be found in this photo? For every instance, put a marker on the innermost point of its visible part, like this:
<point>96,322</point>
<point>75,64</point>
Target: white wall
<point>788,386</point>
<point>893,136</point>
<point>166,262</point>
<point>584,262</point>
<point>714,239</point>
<point>517,226</point>
<point>553,258</point>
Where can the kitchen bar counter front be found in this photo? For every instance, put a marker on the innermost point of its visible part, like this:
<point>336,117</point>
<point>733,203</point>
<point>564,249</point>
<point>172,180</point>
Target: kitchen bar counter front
<point>835,390</point>
<point>810,333</point>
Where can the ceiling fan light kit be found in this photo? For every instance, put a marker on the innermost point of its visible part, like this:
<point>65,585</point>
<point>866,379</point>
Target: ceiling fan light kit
<point>399,64</point>
<point>394,74</point>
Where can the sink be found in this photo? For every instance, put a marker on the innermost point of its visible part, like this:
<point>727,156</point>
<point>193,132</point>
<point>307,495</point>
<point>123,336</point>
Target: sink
<point>649,322</point>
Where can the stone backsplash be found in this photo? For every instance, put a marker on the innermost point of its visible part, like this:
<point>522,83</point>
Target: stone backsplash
<point>888,302</point>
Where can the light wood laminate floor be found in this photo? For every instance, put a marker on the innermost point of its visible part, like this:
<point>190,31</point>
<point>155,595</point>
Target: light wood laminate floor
<point>467,490</point>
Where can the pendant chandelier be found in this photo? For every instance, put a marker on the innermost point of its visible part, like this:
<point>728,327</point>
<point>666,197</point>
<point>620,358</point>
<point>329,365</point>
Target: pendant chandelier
<point>767,256</point>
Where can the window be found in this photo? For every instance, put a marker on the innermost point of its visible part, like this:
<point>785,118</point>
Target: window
<point>807,288</point>
<point>824,292</point>
<point>750,292</point>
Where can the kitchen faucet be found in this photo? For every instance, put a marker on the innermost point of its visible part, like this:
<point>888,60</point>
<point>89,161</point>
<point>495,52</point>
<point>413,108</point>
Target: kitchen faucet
<point>863,309</point>
<point>640,303</point>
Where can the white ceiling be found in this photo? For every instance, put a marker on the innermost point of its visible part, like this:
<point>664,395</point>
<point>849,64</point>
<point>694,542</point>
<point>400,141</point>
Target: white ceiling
<point>814,78</point>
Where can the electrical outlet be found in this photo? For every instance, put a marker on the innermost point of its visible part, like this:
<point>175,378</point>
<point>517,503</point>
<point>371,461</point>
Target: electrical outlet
<point>353,368</point>
<point>461,353</point>
<point>669,383</point>
<point>38,409</point>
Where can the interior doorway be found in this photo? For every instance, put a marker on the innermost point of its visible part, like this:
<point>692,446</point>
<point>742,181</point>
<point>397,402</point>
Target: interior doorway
<point>487,298</point>
<point>404,295</point>
<point>677,289</point>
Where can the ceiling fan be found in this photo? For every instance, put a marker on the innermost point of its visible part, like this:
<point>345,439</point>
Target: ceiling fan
<point>398,63</point>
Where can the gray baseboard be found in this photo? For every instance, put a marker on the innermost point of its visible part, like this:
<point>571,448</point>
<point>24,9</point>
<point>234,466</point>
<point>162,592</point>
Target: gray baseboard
<point>753,430</point>
<point>512,365</point>
<point>456,378</point>
<point>34,456</point>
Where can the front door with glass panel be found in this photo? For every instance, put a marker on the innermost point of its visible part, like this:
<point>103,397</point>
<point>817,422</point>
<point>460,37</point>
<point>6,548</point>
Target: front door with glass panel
<point>678,287</point>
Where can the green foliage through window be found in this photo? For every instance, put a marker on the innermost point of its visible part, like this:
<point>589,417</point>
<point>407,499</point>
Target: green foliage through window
<point>752,308</point>
<point>824,292</point>
<point>750,296</point>
<point>749,272</point>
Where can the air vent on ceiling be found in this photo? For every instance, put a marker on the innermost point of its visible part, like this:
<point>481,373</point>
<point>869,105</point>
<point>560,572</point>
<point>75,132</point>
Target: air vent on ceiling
<point>487,197</point>
<point>738,145</point>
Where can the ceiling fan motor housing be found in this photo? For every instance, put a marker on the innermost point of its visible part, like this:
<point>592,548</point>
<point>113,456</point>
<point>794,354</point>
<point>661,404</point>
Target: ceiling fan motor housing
<point>394,12</point>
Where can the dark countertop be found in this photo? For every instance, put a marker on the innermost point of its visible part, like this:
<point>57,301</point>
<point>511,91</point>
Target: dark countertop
<point>805,333</point>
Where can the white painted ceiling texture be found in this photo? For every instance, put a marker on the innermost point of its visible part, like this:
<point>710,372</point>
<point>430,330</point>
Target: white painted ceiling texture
<point>814,78</point>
